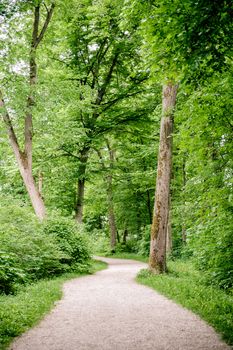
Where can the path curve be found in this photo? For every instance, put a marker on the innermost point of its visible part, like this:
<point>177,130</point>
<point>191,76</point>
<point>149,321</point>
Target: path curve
<point>110,311</point>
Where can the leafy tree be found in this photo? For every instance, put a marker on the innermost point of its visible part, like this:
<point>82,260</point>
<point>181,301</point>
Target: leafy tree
<point>24,155</point>
<point>103,64</point>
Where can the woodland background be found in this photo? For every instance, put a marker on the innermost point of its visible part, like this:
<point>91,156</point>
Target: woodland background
<point>95,101</point>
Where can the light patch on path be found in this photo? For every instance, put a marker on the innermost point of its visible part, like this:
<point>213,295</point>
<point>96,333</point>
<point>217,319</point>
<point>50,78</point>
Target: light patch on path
<point>110,311</point>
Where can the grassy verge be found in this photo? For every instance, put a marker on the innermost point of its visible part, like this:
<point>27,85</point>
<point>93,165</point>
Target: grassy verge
<point>123,255</point>
<point>184,285</point>
<point>20,312</point>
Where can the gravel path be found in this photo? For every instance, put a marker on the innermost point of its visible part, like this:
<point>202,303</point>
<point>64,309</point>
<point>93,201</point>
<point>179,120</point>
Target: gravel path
<point>110,311</point>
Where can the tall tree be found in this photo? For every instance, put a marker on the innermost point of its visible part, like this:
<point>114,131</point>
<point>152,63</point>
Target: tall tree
<point>104,66</point>
<point>24,156</point>
<point>159,226</point>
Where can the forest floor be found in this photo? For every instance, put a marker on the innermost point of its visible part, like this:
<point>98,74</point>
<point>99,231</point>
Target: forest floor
<point>110,311</point>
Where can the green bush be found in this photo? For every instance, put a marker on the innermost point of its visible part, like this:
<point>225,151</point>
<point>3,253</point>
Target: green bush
<point>100,242</point>
<point>144,243</point>
<point>10,274</point>
<point>213,250</point>
<point>27,253</point>
<point>130,246</point>
<point>71,241</point>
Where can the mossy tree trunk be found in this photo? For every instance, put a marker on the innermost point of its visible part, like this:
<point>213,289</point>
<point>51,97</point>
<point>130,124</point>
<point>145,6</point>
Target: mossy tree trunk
<point>159,228</point>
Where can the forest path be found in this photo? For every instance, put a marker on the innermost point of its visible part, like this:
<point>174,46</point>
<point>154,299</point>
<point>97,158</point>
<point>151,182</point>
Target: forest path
<point>110,311</point>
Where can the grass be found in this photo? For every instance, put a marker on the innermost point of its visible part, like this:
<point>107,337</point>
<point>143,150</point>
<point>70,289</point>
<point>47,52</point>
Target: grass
<point>186,286</point>
<point>123,255</point>
<point>20,312</point>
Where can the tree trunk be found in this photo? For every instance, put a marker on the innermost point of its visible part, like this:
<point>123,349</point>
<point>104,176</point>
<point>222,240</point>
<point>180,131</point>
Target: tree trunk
<point>84,154</point>
<point>36,199</point>
<point>40,183</point>
<point>184,235</point>
<point>111,215</point>
<point>157,261</point>
<point>125,235</point>
<point>80,201</point>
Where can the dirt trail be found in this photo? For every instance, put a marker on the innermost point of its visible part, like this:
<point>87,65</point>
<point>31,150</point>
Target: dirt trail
<point>110,311</point>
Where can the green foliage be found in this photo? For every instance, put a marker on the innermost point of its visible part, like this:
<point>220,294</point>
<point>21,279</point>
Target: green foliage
<point>26,252</point>
<point>100,242</point>
<point>184,285</point>
<point>144,243</point>
<point>70,240</point>
<point>213,250</point>
<point>31,251</point>
<point>93,69</point>
<point>132,256</point>
<point>202,187</point>
<point>10,274</point>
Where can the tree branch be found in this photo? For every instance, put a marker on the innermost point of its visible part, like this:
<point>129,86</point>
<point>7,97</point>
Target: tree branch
<point>45,26</point>
<point>119,98</point>
<point>35,26</point>
<point>102,90</point>
<point>10,129</point>
<point>36,39</point>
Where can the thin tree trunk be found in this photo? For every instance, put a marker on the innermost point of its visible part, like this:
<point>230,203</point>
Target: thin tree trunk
<point>84,154</point>
<point>114,236</point>
<point>40,183</point>
<point>184,234</point>
<point>125,235</point>
<point>149,206</point>
<point>80,201</point>
<point>157,261</point>
<point>111,215</point>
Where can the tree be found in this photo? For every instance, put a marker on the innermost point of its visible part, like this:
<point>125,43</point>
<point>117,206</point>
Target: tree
<point>24,156</point>
<point>103,63</point>
<point>159,226</point>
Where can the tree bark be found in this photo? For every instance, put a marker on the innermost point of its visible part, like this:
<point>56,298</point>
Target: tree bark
<point>80,201</point>
<point>84,154</point>
<point>33,191</point>
<point>40,183</point>
<point>157,261</point>
<point>111,214</point>
<point>184,233</point>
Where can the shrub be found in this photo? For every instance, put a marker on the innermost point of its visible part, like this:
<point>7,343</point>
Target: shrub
<point>10,274</point>
<point>100,242</point>
<point>71,241</point>
<point>144,243</point>
<point>27,254</point>
<point>213,250</point>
